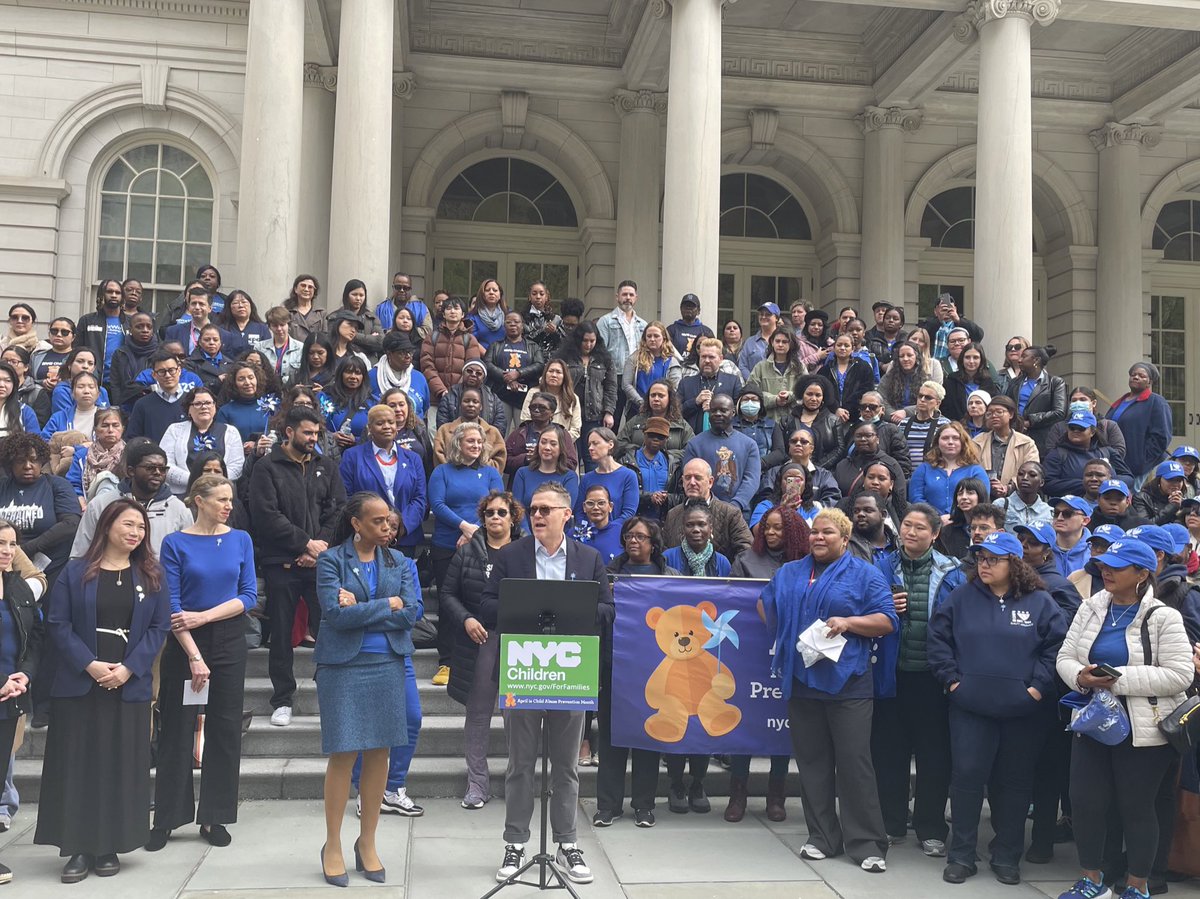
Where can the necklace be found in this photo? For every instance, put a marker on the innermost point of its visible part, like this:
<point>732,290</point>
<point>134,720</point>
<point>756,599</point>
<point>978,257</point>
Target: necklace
<point>120,574</point>
<point>1116,621</point>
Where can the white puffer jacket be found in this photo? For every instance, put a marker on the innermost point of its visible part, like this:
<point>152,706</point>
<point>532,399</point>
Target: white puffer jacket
<point>1166,678</point>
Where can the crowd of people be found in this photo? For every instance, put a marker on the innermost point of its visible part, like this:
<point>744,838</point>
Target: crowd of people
<point>985,538</point>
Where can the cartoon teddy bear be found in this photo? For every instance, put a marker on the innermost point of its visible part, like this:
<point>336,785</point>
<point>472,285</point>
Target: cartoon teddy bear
<point>687,681</point>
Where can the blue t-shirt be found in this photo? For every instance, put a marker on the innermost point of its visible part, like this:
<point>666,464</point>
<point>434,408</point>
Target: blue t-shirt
<point>1110,647</point>
<point>114,336</point>
<point>373,640</point>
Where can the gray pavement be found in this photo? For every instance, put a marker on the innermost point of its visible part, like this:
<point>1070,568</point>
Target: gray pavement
<point>453,854</point>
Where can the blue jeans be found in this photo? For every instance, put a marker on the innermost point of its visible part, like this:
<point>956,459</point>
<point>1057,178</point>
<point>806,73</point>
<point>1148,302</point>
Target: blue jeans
<point>401,756</point>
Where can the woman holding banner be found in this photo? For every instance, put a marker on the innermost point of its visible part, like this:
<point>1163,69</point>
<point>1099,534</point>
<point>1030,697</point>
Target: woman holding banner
<point>782,537</point>
<point>830,702</point>
<point>643,544</point>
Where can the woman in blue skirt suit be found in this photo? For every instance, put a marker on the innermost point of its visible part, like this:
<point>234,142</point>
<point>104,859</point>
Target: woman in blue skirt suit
<point>369,603</point>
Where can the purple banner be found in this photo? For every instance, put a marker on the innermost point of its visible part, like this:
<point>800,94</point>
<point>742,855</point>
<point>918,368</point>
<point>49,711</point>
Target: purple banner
<point>692,668</point>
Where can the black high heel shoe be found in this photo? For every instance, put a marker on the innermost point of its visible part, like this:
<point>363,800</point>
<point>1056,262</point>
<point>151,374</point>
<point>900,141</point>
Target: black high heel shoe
<point>334,880</point>
<point>377,876</point>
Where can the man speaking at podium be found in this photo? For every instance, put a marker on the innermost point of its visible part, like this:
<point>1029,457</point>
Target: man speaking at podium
<point>548,555</point>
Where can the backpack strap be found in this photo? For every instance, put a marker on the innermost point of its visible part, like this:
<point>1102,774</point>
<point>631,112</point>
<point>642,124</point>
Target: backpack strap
<point>1146,645</point>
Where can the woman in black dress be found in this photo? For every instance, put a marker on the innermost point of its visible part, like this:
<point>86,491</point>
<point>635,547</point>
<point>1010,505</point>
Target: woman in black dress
<point>107,617</point>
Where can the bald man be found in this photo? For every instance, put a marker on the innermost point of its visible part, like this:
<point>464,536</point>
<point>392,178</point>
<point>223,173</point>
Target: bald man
<point>730,534</point>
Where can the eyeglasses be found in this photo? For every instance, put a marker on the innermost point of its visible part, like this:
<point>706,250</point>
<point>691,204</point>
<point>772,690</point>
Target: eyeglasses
<point>595,504</point>
<point>800,441</point>
<point>636,538</point>
<point>495,513</point>
<point>985,561</point>
<point>403,288</point>
<point>166,372</point>
<point>867,407</point>
<point>202,404</point>
<point>152,467</point>
<point>20,318</point>
<point>1066,513</point>
<point>928,397</point>
<point>543,510</point>
<point>538,407</point>
<point>61,332</point>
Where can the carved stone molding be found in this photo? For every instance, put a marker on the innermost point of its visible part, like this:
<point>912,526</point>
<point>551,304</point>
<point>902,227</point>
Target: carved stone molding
<point>639,101</point>
<point>1119,134</point>
<point>876,118</point>
<point>514,108</point>
<point>659,8</point>
<point>221,9</point>
<point>763,125</point>
<point>154,84</point>
<point>324,77</point>
<point>979,12</point>
<point>403,85</point>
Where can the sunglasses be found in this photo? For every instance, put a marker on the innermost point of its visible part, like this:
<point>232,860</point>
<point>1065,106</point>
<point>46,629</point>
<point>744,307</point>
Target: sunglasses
<point>61,332</point>
<point>866,407</point>
<point>495,513</point>
<point>20,318</point>
<point>1066,513</point>
<point>543,510</point>
<point>1013,348</point>
<point>929,397</point>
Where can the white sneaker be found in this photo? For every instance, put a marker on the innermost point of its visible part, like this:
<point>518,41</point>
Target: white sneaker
<point>570,858</point>
<point>811,853</point>
<point>514,857</point>
<point>282,716</point>
<point>873,865</point>
<point>399,803</point>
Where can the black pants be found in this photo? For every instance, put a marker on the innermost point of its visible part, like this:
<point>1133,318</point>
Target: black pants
<point>223,646</point>
<point>287,586</point>
<point>610,774</point>
<point>445,627</point>
<point>997,754</point>
<point>1117,782</point>
<point>832,742</point>
<point>1051,775</point>
<point>739,766</point>
<point>915,721</point>
<point>697,766</point>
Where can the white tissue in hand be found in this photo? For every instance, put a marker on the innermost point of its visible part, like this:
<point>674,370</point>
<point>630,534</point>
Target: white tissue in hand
<point>813,645</point>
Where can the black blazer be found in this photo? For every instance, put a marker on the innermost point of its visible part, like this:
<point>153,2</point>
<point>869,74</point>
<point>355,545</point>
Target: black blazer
<point>859,379</point>
<point>517,560</point>
<point>23,610</point>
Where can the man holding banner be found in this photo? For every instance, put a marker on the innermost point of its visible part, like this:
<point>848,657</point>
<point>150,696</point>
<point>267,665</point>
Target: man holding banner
<point>547,555</point>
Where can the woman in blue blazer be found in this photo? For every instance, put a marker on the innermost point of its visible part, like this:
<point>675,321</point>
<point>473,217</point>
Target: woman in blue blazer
<point>380,465</point>
<point>369,602</point>
<point>106,617</point>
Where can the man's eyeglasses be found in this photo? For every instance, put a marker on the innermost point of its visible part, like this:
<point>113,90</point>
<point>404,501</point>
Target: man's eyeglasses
<point>495,513</point>
<point>166,372</point>
<point>543,510</point>
<point>401,288</point>
<point>152,467</point>
<point>868,407</point>
<point>61,332</point>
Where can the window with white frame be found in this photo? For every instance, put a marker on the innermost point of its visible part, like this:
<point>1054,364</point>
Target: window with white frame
<point>156,219</point>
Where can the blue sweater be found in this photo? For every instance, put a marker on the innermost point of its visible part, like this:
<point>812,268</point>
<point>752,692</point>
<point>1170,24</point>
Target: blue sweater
<point>1146,426</point>
<point>527,480</point>
<point>483,334</point>
<point>454,494</point>
<point>994,650</point>
<point>932,485</point>
<point>622,486</point>
<point>606,541</point>
<point>205,571</point>
<point>151,417</point>
<point>245,416</point>
<point>736,465</point>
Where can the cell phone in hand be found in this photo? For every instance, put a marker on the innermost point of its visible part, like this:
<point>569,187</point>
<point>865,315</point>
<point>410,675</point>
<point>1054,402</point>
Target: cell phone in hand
<point>1106,671</point>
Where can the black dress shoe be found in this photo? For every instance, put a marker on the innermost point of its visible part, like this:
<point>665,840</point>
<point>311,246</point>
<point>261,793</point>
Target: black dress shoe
<point>107,865</point>
<point>1039,855</point>
<point>956,873</point>
<point>1007,874</point>
<point>158,839</point>
<point>216,834</point>
<point>76,868</point>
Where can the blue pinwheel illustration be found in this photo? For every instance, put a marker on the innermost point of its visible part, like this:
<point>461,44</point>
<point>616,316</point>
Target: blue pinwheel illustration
<point>721,631</point>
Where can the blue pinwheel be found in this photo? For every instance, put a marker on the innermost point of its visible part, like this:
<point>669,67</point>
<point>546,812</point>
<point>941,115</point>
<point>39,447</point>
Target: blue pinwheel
<point>721,631</point>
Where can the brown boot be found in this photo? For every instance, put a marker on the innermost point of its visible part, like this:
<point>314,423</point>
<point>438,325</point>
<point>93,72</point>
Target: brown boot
<point>776,795</point>
<point>736,810</point>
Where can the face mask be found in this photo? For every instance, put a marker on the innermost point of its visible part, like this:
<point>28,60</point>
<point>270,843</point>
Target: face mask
<point>750,408</point>
<point>1080,406</point>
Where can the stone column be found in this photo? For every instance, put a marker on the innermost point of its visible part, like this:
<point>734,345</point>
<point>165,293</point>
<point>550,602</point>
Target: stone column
<point>360,219</point>
<point>1120,318</point>
<point>316,173</point>
<point>403,86</point>
<point>1004,165</point>
<point>272,139</point>
<point>692,194</point>
<point>638,193</point>
<point>883,245</point>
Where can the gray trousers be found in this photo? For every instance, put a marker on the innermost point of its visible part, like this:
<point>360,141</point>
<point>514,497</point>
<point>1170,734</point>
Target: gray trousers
<point>481,706</point>
<point>832,742</point>
<point>523,730</point>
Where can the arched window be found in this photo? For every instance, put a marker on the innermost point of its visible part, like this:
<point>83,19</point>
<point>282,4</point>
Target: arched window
<point>508,191</point>
<point>949,220</point>
<point>755,206</point>
<point>1177,231</point>
<point>156,218</point>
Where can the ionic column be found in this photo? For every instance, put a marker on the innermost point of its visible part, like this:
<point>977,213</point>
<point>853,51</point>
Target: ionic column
<point>360,219</point>
<point>691,198</point>
<point>1120,319</point>
<point>1004,164</point>
<point>883,246</point>
<point>638,192</point>
<point>272,136</point>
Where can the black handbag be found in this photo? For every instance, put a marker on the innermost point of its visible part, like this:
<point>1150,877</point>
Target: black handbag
<point>1181,726</point>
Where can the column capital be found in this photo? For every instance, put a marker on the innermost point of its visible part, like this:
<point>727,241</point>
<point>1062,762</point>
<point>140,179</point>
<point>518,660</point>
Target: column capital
<point>979,12</point>
<point>659,8</point>
<point>627,101</point>
<point>877,118</point>
<point>324,77</point>
<point>403,85</point>
<point>1119,134</point>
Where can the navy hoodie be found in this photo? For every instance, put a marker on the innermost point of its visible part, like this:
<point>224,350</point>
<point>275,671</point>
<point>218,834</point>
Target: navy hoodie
<point>994,649</point>
<point>1061,589</point>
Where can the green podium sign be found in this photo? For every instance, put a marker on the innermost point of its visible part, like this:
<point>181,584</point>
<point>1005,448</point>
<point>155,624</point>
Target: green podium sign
<point>549,672</point>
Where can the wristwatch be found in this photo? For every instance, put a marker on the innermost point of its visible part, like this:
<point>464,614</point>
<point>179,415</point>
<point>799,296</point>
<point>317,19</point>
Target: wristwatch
<point>196,658</point>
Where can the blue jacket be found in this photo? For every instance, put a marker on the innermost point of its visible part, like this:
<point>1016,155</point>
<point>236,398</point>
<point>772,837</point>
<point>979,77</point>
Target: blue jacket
<point>737,477</point>
<point>718,565</point>
<point>418,391</point>
<point>932,485</point>
<point>454,494</point>
<point>360,471</point>
<point>1064,466</point>
<point>231,343</point>
<point>690,387</point>
<point>61,400</point>
<point>343,627</point>
<point>29,421</point>
<point>1060,589</point>
<point>994,650</point>
<point>944,579</point>
<point>1146,426</point>
<point>71,627</point>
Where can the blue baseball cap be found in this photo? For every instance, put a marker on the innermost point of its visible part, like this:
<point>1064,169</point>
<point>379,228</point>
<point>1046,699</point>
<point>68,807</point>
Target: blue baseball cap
<point>999,543</point>
<point>1113,485</point>
<point>1082,420</point>
<point>1154,537</point>
<point>1124,553</point>
<point>1041,531</point>
<point>1109,533</point>
<point>769,307</point>
<point>1181,536</point>
<point>1078,503</point>
<point>1169,469</point>
<point>1186,452</point>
